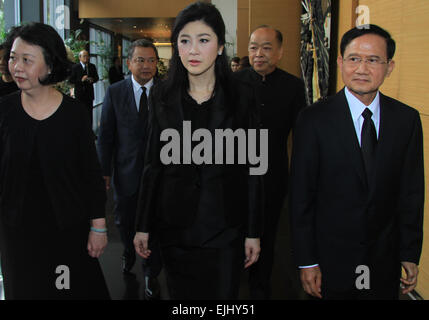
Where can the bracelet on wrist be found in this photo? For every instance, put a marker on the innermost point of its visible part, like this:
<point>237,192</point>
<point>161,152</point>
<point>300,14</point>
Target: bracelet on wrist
<point>104,230</point>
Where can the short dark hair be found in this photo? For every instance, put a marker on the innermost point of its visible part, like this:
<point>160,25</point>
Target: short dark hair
<point>53,48</point>
<point>235,59</point>
<point>145,43</point>
<point>244,62</point>
<point>356,32</point>
<point>279,35</point>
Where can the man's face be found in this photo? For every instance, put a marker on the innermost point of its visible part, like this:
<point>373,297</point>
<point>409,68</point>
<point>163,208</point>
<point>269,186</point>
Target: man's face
<point>364,79</point>
<point>84,57</point>
<point>264,51</point>
<point>143,64</point>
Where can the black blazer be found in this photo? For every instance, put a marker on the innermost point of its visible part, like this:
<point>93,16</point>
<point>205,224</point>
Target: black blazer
<point>339,220</point>
<point>171,193</point>
<point>67,157</point>
<point>122,138</point>
<point>83,91</point>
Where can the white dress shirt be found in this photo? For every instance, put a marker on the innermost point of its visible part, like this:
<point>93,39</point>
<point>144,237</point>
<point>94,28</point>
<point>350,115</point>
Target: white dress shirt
<point>137,88</point>
<point>357,107</point>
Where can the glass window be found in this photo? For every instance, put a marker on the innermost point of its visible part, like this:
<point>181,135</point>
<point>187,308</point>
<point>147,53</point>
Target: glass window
<point>57,15</point>
<point>101,52</point>
<point>125,46</point>
<point>2,26</point>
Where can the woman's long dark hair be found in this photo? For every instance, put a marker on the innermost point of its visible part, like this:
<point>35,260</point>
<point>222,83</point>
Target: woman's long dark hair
<point>177,77</point>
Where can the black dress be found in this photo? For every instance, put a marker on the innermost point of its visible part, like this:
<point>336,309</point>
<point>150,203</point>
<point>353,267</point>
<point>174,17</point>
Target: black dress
<point>40,259</point>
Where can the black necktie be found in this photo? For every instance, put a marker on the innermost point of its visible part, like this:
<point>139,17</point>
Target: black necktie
<point>368,143</point>
<point>143,108</point>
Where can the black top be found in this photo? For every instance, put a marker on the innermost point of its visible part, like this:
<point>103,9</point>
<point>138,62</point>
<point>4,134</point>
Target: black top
<point>7,87</point>
<point>37,205</point>
<point>280,97</point>
<point>209,229</point>
<point>68,160</point>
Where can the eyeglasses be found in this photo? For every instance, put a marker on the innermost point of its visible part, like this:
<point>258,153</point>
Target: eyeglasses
<point>143,60</point>
<point>370,62</point>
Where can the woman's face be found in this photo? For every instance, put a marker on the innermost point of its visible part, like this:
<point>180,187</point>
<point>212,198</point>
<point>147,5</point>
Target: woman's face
<point>198,47</point>
<point>27,64</point>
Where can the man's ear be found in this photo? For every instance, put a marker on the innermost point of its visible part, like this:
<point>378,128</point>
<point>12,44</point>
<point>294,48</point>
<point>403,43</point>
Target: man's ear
<point>281,52</point>
<point>390,67</point>
<point>340,62</point>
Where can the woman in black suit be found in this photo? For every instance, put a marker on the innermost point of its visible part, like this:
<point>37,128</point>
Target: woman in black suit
<point>207,215</point>
<point>52,219</point>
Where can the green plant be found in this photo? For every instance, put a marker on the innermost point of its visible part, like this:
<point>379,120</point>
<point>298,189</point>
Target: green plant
<point>162,69</point>
<point>2,29</point>
<point>75,44</point>
<point>105,53</point>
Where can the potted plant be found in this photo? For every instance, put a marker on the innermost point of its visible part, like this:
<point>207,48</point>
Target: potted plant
<point>73,46</point>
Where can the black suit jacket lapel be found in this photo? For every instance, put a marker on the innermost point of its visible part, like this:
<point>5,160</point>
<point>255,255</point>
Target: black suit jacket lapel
<point>217,110</point>
<point>385,143</point>
<point>130,105</point>
<point>347,134</point>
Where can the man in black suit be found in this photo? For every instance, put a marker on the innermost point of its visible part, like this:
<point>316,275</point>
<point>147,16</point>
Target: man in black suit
<point>121,147</point>
<point>115,71</point>
<point>280,97</point>
<point>357,182</point>
<point>83,76</point>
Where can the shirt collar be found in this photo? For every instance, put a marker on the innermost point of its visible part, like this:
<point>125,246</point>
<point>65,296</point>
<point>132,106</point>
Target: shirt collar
<point>138,86</point>
<point>267,76</point>
<point>357,107</point>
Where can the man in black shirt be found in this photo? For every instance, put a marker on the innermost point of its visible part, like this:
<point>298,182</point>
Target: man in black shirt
<point>280,96</point>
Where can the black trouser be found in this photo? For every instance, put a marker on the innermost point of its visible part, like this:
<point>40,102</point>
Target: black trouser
<point>125,216</point>
<point>260,272</point>
<point>195,273</point>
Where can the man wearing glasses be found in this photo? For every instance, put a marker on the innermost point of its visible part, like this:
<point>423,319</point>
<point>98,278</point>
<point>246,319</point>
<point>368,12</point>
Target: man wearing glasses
<point>357,179</point>
<point>121,146</point>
